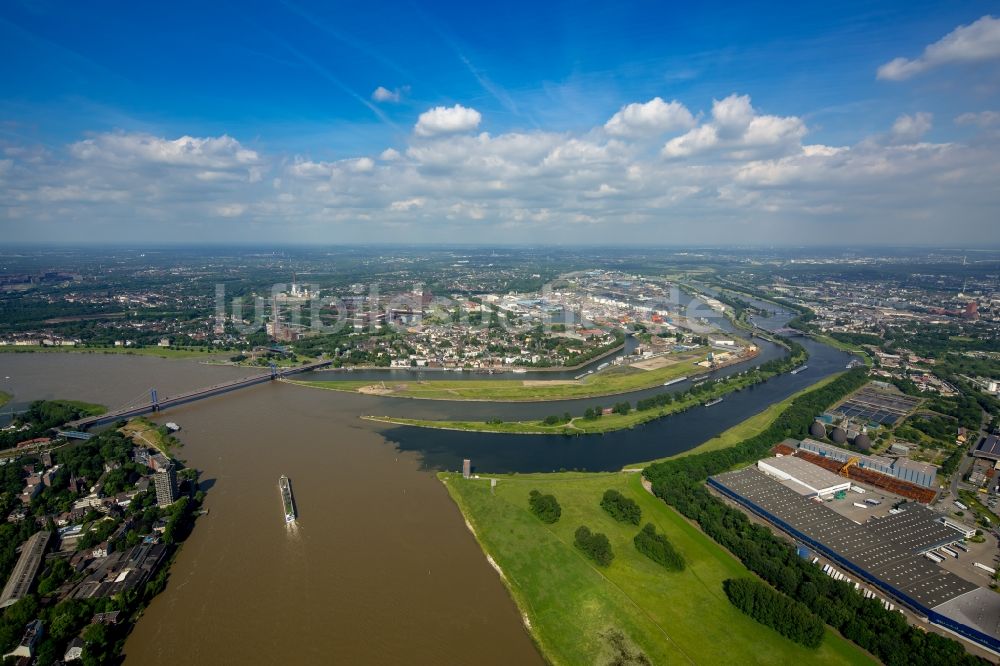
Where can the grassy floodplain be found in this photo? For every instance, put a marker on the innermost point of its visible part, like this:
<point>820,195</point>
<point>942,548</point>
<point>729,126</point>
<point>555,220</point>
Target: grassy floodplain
<point>609,382</point>
<point>150,433</point>
<point>160,352</point>
<point>576,426</point>
<point>86,408</point>
<point>278,362</point>
<point>584,426</point>
<point>569,602</point>
<point>845,346</point>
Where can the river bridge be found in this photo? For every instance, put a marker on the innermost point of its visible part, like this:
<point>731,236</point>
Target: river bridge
<point>789,332</point>
<point>74,434</point>
<point>157,404</point>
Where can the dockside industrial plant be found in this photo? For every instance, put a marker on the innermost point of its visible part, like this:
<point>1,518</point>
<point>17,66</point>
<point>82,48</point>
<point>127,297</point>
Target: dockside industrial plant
<point>914,555</point>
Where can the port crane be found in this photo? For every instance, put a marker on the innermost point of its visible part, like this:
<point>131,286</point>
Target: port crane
<point>845,470</point>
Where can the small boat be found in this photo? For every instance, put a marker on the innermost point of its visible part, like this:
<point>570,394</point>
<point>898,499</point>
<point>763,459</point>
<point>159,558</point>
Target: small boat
<point>799,369</point>
<point>171,426</point>
<point>519,371</point>
<point>713,402</point>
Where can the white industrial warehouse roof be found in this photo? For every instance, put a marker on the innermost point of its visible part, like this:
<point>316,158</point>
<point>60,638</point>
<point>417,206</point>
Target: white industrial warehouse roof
<point>803,473</point>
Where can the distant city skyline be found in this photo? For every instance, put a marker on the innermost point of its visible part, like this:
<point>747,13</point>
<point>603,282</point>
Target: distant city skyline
<point>632,124</point>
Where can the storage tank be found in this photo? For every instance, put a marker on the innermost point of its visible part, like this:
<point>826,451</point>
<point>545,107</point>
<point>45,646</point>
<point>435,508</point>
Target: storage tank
<point>839,435</point>
<point>817,430</point>
<point>863,442</point>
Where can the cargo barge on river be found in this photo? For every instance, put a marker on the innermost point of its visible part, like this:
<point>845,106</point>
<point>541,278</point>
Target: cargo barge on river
<point>287,501</point>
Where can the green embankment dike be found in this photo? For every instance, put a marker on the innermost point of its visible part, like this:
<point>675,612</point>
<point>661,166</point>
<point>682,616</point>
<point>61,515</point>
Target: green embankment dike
<point>610,382</point>
<point>672,617</point>
<point>160,352</point>
<point>607,423</point>
<point>580,425</point>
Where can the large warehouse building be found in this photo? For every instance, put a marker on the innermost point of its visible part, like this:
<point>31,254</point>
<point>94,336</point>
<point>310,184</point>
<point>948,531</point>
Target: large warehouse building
<point>988,448</point>
<point>887,552</point>
<point>803,477</point>
<point>903,469</point>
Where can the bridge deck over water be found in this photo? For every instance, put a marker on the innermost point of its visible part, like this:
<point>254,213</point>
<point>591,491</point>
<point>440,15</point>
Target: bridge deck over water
<point>167,402</point>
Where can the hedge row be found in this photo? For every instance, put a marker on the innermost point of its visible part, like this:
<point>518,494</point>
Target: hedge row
<point>789,618</point>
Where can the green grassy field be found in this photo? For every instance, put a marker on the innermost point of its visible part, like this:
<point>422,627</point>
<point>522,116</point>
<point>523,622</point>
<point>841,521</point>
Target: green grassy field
<point>87,408</point>
<point>149,433</point>
<point>570,602</point>
<point>507,427</point>
<point>576,426</point>
<point>611,382</point>
<point>216,359</point>
<point>161,352</point>
<point>845,346</point>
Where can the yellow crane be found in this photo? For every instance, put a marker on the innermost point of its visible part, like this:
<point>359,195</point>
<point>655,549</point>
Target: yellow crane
<point>854,460</point>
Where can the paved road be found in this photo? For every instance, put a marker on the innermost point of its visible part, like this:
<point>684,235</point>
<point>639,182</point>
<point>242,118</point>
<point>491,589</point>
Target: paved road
<point>966,462</point>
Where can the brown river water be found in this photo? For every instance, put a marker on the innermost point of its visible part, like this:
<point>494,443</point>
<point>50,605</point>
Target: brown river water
<point>380,568</point>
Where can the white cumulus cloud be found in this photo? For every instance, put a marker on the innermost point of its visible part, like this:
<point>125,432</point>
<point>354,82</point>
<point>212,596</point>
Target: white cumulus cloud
<point>979,119</point>
<point>383,94</point>
<point>590,185</point>
<point>733,114</point>
<point>695,141</point>
<point>360,164</point>
<point>231,210</point>
<point>911,128</point>
<point>447,120</point>
<point>971,43</point>
<point>649,118</point>
<point>735,126</point>
<point>405,205</point>
<point>127,149</point>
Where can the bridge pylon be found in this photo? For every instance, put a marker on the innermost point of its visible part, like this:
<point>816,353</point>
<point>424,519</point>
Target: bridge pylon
<point>153,400</point>
<point>274,371</point>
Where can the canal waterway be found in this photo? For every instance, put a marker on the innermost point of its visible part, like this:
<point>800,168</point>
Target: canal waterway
<point>499,453</point>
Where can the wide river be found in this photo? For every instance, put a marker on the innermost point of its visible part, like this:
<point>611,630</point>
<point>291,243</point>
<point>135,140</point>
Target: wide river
<point>380,568</point>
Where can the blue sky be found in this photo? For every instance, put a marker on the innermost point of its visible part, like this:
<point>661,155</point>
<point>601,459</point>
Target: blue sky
<point>261,119</point>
